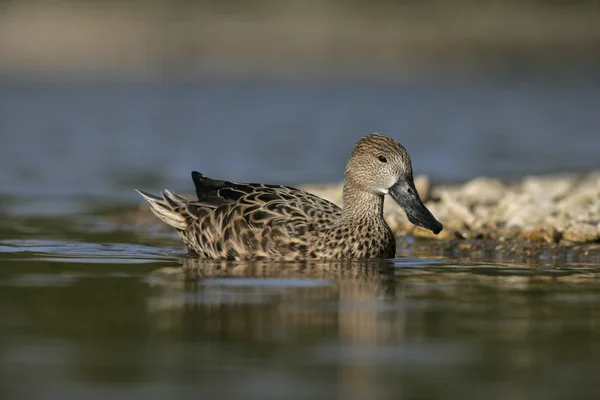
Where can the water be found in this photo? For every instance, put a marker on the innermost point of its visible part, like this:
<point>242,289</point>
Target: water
<point>94,308</point>
<point>122,320</point>
<point>102,139</point>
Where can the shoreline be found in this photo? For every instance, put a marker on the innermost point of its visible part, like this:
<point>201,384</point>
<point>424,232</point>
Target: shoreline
<point>561,210</point>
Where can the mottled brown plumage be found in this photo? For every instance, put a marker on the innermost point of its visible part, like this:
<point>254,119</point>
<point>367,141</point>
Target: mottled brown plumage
<point>253,221</point>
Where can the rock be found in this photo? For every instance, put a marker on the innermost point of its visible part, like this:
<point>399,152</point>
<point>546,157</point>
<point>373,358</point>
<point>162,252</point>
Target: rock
<point>506,233</point>
<point>580,232</point>
<point>457,209</point>
<point>541,233</point>
<point>397,221</point>
<point>512,203</point>
<point>527,214</point>
<point>470,234</point>
<point>559,221</point>
<point>423,185</point>
<point>486,217</point>
<point>548,188</point>
<point>482,191</point>
<point>576,205</point>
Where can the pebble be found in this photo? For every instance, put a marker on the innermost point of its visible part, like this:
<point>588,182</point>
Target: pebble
<point>541,233</point>
<point>581,232</point>
<point>548,188</point>
<point>423,185</point>
<point>482,191</point>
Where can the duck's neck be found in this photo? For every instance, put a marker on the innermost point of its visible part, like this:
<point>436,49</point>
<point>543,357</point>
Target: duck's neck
<point>361,206</point>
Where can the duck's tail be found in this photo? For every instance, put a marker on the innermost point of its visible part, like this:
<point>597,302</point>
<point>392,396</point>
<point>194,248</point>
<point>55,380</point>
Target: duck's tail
<point>170,209</point>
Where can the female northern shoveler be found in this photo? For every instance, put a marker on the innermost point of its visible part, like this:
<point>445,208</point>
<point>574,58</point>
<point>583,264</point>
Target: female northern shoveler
<point>250,221</point>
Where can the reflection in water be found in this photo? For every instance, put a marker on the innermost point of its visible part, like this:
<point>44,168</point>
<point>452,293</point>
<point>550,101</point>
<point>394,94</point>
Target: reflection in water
<point>300,296</point>
<point>353,303</point>
<point>303,293</point>
<point>376,315</point>
<point>370,329</point>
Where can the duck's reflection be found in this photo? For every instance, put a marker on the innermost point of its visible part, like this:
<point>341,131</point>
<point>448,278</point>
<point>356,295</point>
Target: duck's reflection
<point>356,321</point>
<point>355,301</point>
<point>327,308</point>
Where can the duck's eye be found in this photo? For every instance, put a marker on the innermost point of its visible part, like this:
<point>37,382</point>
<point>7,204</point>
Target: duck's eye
<point>382,158</point>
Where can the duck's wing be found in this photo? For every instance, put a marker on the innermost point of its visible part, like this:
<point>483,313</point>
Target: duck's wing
<point>262,221</point>
<point>261,201</point>
<point>257,203</point>
<point>245,220</point>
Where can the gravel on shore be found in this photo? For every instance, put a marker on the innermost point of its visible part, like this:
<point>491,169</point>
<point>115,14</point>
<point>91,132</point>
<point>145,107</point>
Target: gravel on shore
<point>557,209</point>
<point>562,209</point>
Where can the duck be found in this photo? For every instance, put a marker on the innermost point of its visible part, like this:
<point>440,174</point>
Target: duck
<point>256,221</point>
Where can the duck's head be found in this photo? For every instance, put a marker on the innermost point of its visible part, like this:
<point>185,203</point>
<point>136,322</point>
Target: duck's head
<point>381,166</point>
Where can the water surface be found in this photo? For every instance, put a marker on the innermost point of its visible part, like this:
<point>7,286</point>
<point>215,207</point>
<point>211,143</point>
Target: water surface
<point>102,139</point>
<point>94,308</point>
<point>129,315</point>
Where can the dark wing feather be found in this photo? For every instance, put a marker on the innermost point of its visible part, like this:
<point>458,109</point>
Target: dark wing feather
<point>208,191</point>
<point>214,193</point>
<point>261,203</point>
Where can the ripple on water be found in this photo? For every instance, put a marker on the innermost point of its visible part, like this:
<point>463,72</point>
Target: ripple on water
<point>64,251</point>
<point>42,280</point>
<point>267,282</point>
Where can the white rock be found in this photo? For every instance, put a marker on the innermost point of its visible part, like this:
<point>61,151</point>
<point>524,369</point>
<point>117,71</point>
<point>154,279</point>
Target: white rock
<point>581,232</point>
<point>528,214</point>
<point>548,188</point>
<point>423,185</point>
<point>458,210</point>
<point>482,191</point>
<point>575,206</point>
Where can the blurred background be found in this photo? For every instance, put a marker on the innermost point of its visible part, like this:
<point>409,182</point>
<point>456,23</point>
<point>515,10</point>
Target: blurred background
<point>98,97</point>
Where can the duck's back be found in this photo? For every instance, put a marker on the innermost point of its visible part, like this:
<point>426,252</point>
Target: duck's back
<point>253,221</point>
